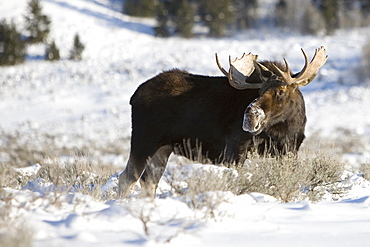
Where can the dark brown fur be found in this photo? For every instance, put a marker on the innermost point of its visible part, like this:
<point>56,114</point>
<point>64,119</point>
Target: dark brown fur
<point>201,116</point>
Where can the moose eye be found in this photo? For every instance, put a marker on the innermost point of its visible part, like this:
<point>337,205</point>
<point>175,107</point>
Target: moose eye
<point>280,92</point>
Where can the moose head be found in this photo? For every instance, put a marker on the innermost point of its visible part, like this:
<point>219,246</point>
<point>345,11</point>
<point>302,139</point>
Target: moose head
<point>280,103</point>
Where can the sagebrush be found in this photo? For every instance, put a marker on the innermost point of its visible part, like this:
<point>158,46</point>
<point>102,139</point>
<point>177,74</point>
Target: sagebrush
<point>287,178</point>
<point>365,170</point>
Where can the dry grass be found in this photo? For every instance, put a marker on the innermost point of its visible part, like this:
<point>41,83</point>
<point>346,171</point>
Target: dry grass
<point>365,170</point>
<point>311,176</point>
<point>288,179</point>
<point>9,177</point>
<point>13,228</point>
<point>53,182</point>
<point>314,174</point>
<point>20,149</point>
<point>341,142</point>
<point>83,172</point>
<point>76,175</point>
<point>201,189</point>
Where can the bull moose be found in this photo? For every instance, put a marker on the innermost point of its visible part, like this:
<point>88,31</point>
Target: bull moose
<point>255,106</point>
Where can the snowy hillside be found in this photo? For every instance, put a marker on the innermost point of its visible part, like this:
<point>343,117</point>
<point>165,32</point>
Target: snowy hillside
<point>84,105</point>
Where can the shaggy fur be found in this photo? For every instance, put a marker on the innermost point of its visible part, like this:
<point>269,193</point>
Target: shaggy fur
<point>201,117</point>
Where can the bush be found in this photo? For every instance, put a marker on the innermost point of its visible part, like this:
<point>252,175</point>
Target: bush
<point>77,175</point>
<point>13,229</point>
<point>37,24</point>
<point>8,177</point>
<point>365,170</point>
<point>77,49</point>
<point>52,52</point>
<point>12,47</point>
<point>288,179</point>
<point>20,149</point>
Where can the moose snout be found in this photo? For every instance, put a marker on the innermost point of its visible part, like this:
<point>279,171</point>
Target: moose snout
<point>254,117</point>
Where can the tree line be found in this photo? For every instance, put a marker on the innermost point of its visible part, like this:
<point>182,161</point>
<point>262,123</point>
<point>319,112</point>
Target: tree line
<point>178,17</point>
<point>13,42</point>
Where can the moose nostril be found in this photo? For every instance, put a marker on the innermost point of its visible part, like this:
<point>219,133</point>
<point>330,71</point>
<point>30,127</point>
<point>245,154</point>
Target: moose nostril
<point>253,118</point>
<point>257,126</point>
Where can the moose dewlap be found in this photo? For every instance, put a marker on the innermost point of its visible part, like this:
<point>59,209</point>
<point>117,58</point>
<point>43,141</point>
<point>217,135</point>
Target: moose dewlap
<point>255,106</point>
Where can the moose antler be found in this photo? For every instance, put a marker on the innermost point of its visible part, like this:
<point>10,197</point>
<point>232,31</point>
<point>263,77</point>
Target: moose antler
<point>309,71</point>
<point>239,71</point>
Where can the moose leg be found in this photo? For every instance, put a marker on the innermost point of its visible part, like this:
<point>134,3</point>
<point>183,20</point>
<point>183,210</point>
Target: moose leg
<point>130,175</point>
<point>154,171</point>
<point>139,155</point>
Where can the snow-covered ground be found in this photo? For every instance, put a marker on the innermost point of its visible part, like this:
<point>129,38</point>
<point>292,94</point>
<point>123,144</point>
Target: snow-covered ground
<point>87,102</point>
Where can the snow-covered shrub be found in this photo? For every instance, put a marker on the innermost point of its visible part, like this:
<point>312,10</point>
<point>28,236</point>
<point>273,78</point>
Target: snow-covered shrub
<point>8,177</point>
<point>291,179</point>
<point>77,174</point>
<point>288,179</point>
<point>365,169</point>
<point>159,225</point>
<point>18,151</point>
<point>13,229</point>
<point>200,186</point>
<point>21,149</point>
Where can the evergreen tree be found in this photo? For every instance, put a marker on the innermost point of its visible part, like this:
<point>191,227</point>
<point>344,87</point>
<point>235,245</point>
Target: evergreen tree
<point>162,16</point>
<point>78,48</point>
<point>281,11</point>
<point>184,18</point>
<point>217,15</point>
<point>244,13</point>
<point>329,10</point>
<point>313,21</point>
<point>140,8</point>
<point>365,7</point>
<point>176,16</point>
<point>52,52</point>
<point>12,47</point>
<point>37,24</point>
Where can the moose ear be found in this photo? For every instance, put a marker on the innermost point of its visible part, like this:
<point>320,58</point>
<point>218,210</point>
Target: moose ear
<point>263,72</point>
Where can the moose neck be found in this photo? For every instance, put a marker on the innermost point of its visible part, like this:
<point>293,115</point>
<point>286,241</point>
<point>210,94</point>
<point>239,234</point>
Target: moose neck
<point>290,131</point>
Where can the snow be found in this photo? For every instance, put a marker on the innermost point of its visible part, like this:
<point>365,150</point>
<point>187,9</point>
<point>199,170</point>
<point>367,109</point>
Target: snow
<point>88,101</point>
<point>253,219</point>
<point>29,171</point>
